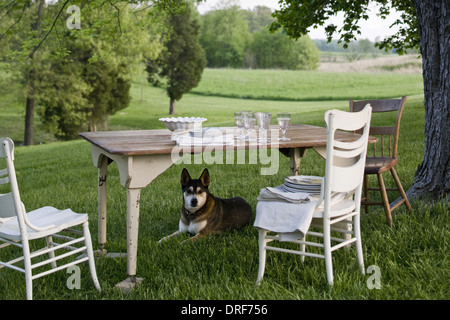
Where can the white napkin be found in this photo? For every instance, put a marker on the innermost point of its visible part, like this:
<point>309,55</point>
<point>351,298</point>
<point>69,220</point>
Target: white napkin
<point>207,136</point>
<point>290,220</point>
<point>287,213</point>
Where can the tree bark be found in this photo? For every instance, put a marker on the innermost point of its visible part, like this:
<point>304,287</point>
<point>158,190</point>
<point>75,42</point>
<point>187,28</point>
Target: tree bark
<point>432,178</point>
<point>172,106</point>
<point>29,120</point>
<point>30,101</point>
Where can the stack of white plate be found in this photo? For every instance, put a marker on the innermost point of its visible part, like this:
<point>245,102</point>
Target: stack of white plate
<point>308,184</point>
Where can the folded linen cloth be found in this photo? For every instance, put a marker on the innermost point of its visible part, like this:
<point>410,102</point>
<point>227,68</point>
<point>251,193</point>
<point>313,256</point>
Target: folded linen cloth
<point>290,220</point>
<point>287,213</point>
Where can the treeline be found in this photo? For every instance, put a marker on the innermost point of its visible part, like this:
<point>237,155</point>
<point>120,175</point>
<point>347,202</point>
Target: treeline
<point>355,50</point>
<point>74,64</point>
<point>236,38</point>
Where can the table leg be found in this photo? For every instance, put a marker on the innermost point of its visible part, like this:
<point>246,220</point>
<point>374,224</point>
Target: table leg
<point>295,155</point>
<point>136,172</point>
<point>133,198</point>
<point>102,191</point>
<point>133,203</point>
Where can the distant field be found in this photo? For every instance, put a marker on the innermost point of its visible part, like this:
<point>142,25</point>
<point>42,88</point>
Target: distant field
<point>406,64</point>
<point>224,90</point>
<point>306,85</point>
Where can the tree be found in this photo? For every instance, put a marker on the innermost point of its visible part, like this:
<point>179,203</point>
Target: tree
<point>260,17</point>
<point>90,80</point>
<point>426,24</point>
<point>225,37</point>
<point>181,64</point>
<point>278,51</point>
<point>76,94</point>
<point>32,39</point>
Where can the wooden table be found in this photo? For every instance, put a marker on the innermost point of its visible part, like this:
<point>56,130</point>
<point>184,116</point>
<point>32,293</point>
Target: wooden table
<point>142,155</point>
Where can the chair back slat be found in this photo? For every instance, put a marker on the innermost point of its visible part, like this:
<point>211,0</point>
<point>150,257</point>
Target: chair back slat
<point>346,176</point>
<point>4,180</point>
<point>387,145</point>
<point>382,131</point>
<point>6,205</point>
<point>6,199</point>
<point>10,203</point>
<point>3,152</point>
<point>379,105</point>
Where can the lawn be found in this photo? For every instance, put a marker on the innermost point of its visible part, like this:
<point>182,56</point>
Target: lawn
<point>412,255</point>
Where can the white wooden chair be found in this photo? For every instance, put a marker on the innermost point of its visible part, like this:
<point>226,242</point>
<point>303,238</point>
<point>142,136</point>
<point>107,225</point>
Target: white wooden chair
<point>344,173</point>
<point>17,227</point>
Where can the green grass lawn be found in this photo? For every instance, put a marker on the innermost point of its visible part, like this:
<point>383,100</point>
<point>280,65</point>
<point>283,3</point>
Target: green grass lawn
<point>412,255</point>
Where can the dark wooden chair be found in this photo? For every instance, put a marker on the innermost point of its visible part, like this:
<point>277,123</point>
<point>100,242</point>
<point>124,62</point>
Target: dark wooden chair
<point>384,155</point>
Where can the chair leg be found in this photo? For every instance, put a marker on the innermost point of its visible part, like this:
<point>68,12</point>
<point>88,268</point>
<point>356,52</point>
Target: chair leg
<point>90,254</point>
<point>385,199</point>
<point>28,273</point>
<point>51,254</point>
<point>303,249</point>
<point>262,254</point>
<point>400,189</point>
<point>327,251</point>
<point>359,251</point>
<point>366,192</point>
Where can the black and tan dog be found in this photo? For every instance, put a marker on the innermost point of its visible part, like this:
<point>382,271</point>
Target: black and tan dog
<point>203,214</point>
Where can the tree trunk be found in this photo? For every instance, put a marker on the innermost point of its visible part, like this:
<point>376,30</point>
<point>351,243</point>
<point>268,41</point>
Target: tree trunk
<point>29,122</point>
<point>30,101</point>
<point>432,178</point>
<point>172,106</point>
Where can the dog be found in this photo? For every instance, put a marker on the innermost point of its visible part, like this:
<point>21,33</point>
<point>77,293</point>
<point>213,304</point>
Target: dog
<point>204,214</point>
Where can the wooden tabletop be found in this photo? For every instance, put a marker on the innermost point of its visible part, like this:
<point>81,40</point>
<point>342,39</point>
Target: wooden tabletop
<point>146,142</point>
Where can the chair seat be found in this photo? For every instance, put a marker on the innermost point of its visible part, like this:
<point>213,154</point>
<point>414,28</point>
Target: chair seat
<point>41,218</point>
<point>376,165</point>
<point>342,207</point>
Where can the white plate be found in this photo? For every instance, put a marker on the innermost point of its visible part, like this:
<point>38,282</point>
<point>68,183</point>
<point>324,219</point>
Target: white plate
<point>304,186</point>
<point>294,190</point>
<point>305,180</point>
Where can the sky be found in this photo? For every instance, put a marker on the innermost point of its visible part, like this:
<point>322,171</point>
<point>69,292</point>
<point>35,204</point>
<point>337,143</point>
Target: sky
<point>370,29</point>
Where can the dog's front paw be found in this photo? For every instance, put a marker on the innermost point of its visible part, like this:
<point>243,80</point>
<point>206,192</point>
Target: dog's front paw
<point>162,240</point>
<point>193,239</point>
<point>175,234</point>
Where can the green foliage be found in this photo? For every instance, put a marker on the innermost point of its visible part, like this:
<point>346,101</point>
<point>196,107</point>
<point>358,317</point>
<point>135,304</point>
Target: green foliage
<point>278,51</point>
<point>80,77</point>
<point>295,17</point>
<point>355,50</point>
<point>225,37</point>
<point>183,61</point>
<point>238,38</point>
<point>92,81</point>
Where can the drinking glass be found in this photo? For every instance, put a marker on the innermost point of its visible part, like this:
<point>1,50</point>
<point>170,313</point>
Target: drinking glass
<point>283,119</point>
<point>248,122</point>
<point>251,132</point>
<point>239,124</point>
<point>263,119</point>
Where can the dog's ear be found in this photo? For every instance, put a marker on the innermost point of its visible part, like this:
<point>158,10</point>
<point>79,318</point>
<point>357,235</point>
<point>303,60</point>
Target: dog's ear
<point>185,177</point>
<point>204,178</point>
